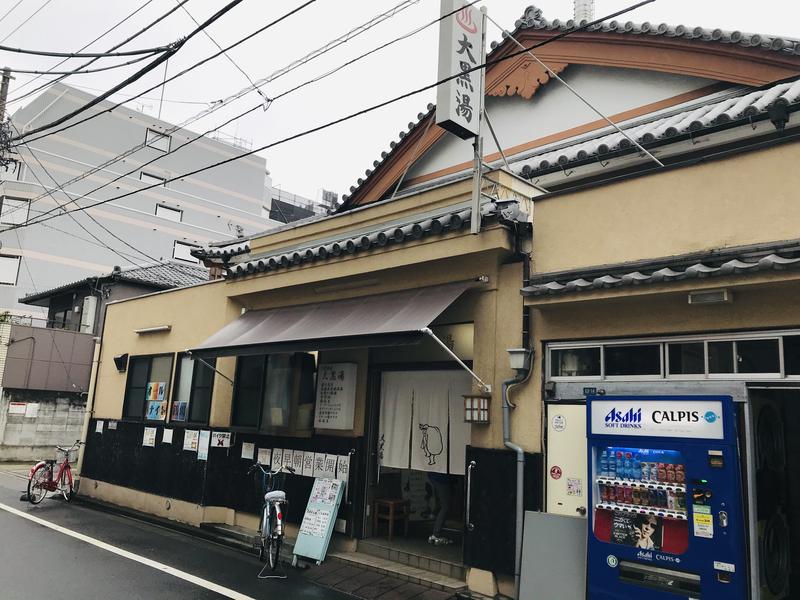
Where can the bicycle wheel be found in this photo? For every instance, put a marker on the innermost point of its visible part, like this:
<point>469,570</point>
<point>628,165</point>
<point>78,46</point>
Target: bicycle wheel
<point>37,484</point>
<point>65,485</point>
<point>274,551</point>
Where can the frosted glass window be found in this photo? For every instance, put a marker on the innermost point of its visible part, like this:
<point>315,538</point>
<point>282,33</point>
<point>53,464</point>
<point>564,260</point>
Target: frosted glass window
<point>182,251</point>
<point>14,211</point>
<point>149,179</point>
<point>9,269</point>
<point>157,140</point>
<point>171,214</point>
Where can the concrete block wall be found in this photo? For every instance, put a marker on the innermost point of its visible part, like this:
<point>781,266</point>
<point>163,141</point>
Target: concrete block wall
<point>57,421</point>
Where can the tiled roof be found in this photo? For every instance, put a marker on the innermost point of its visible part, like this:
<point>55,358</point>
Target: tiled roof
<point>736,261</point>
<point>160,276</point>
<point>532,19</point>
<point>752,105</point>
<point>377,238</point>
<point>223,251</point>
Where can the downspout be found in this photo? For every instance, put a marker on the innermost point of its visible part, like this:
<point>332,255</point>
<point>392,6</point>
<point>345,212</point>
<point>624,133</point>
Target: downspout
<point>89,410</point>
<point>520,377</point>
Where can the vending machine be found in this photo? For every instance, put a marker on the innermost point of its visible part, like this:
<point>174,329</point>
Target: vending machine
<point>666,499</point>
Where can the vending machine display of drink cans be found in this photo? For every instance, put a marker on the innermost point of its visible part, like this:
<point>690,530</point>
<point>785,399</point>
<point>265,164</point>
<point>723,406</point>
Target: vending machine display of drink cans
<point>666,517</point>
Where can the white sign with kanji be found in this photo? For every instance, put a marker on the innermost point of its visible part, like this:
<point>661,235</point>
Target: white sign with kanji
<point>459,101</point>
<point>336,396</point>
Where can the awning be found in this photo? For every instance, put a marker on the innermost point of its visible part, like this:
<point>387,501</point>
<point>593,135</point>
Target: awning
<point>380,320</point>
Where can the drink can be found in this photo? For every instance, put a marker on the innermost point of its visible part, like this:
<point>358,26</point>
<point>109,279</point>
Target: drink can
<point>628,494</point>
<point>644,497</point>
<point>636,496</point>
<point>604,463</point>
<point>662,472</point>
<point>680,474</point>
<point>671,500</point>
<point>671,476</point>
<point>653,471</point>
<point>662,499</point>
<point>645,471</point>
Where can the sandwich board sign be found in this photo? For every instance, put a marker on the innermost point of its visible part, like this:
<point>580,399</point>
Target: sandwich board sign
<point>319,519</point>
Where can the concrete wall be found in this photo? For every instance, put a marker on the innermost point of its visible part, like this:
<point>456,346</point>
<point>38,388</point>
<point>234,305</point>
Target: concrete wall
<point>50,419</point>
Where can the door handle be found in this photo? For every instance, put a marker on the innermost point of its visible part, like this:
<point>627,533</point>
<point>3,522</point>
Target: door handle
<point>472,465</point>
<point>581,510</point>
<point>347,483</point>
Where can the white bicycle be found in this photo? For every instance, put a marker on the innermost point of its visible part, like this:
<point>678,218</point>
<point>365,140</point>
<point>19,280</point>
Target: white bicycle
<point>270,532</point>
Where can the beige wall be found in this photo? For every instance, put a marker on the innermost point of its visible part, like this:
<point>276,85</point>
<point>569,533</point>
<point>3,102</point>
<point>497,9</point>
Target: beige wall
<point>745,199</point>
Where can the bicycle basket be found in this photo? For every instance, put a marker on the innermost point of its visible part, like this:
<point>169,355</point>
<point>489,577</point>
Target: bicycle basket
<point>71,455</point>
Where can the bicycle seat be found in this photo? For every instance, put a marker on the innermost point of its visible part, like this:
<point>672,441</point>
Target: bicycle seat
<point>276,496</point>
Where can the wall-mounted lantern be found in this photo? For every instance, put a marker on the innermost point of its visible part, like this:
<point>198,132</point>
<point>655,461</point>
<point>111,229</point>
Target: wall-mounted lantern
<point>476,408</point>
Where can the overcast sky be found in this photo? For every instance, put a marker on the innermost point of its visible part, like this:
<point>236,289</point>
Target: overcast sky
<point>336,157</point>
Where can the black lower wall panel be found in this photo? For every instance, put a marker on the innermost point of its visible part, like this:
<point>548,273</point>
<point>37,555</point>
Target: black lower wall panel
<point>118,457</point>
<point>490,545</point>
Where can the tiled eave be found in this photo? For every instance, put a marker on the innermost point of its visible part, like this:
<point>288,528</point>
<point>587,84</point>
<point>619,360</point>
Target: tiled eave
<point>224,252</point>
<point>374,239</point>
<point>730,262</point>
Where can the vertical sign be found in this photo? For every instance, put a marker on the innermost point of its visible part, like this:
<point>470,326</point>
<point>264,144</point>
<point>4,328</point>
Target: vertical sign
<point>459,101</point>
<point>336,396</point>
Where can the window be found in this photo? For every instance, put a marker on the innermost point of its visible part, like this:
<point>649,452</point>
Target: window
<point>687,358</point>
<point>147,390</point>
<point>157,140</point>
<point>183,251</point>
<point>758,356</point>
<point>720,357</point>
<point>172,214</point>
<point>14,211</point>
<point>9,269</point>
<point>791,354</point>
<point>575,362</point>
<point>632,360</point>
<point>274,393</point>
<point>152,179</point>
<point>194,382</point>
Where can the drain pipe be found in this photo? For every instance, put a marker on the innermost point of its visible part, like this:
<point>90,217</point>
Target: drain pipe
<point>523,372</point>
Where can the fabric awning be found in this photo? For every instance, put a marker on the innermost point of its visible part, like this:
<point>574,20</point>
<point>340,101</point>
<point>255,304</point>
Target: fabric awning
<point>380,320</point>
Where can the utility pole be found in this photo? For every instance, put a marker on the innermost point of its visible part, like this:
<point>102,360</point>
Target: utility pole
<point>4,92</point>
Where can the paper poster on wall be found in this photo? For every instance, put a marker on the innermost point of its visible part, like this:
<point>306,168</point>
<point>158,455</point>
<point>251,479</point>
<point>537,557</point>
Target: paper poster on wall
<point>190,438</point>
<point>157,402</point>
<point>248,448</point>
<point>336,396</point>
<point>297,461</point>
<point>98,427</point>
<point>202,445</point>
<point>149,438</point>
<point>277,457</point>
<point>16,408</point>
<point>342,468</point>
<point>330,466</point>
<point>112,425</point>
<point>288,457</point>
<point>264,456</point>
<point>179,410</point>
<point>167,437</point>
<point>308,464</point>
<point>31,410</point>
<point>221,439</point>
<point>319,465</point>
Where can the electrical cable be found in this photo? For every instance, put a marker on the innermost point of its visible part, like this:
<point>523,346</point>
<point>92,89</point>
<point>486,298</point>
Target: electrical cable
<point>10,10</point>
<point>350,35</point>
<point>165,56</point>
<point>33,14</point>
<point>358,113</point>
<point>82,71</point>
<point>250,110</point>
<point>85,46</point>
<point>86,54</point>
<point>136,76</point>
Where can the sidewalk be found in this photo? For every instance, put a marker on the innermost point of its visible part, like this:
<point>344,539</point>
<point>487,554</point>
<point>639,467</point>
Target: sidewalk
<point>362,583</point>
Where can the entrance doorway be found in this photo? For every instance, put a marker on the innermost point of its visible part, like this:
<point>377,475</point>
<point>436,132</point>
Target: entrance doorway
<point>776,465</point>
<point>417,497</point>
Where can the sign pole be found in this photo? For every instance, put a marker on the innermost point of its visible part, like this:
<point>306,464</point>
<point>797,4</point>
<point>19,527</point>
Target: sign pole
<point>477,145</point>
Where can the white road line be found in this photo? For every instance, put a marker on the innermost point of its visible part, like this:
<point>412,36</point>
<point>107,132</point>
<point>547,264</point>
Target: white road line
<point>209,585</point>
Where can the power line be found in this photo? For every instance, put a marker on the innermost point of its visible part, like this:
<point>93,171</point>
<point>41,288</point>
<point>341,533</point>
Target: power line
<point>254,108</point>
<point>10,10</point>
<point>99,37</point>
<point>86,54</point>
<point>353,115</point>
<point>33,14</point>
<point>138,75</point>
<point>181,73</point>
<point>80,71</point>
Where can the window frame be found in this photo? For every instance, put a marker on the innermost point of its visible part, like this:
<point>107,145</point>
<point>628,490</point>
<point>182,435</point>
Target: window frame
<point>157,136</point>
<point>169,209</point>
<point>18,258</point>
<point>129,375</point>
<point>192,389</point>
<point>144,176</point>
<point>290,430</point>
<point>26,211</point>
<point>192,260</point>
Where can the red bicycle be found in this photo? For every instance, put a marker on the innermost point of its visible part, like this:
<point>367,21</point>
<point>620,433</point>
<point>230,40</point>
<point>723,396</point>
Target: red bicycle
<point>41,480</point>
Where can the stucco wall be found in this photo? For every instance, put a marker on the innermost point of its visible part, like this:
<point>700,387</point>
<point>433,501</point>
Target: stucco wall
<point>744,199</point>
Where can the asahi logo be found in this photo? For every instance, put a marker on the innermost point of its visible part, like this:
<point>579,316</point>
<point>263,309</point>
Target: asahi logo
<point>629,419</point>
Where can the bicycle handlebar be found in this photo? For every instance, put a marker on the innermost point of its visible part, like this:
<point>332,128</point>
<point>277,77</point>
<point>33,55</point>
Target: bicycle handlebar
<point>77,444</point>
<point>258,465</point>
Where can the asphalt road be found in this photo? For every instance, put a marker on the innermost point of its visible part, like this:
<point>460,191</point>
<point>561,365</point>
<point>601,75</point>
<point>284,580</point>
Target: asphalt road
<point>92,554</point>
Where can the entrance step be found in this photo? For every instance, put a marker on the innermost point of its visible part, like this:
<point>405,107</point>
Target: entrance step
<point>424,561</point>
<point>404,572</point>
